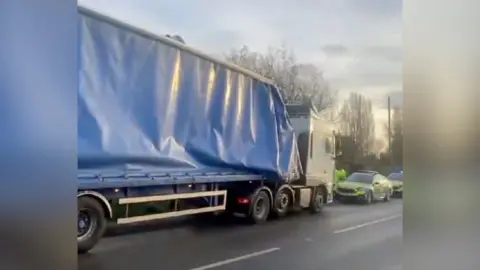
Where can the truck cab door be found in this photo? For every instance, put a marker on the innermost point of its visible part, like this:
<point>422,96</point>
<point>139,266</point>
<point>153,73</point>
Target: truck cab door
<point>330,154</point>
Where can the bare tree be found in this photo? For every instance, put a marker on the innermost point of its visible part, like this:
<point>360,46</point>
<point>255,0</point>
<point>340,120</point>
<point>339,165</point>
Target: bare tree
<point>298,83</point>
<point>397,136</point>
<point>358,123</point>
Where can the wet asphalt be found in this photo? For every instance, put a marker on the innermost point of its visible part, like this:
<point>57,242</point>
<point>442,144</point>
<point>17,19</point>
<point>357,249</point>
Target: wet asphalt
<point>342,237</point>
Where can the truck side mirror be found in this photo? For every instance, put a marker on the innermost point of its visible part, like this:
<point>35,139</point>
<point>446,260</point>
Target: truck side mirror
<point>338,147</point>
<point>337,155</point>
<point>338,144</point>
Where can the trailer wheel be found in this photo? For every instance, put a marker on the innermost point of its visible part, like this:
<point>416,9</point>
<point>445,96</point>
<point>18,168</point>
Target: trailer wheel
<point>316,204</point>
<point>282,201</point>
<point>91,223</point>
<point>260,207</point>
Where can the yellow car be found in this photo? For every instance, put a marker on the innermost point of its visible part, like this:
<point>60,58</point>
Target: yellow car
<point>364,186</point>
<point>397,182</point>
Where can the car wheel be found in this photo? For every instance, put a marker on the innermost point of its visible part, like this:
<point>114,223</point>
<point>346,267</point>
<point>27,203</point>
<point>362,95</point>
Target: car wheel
<point>388,195</point>
<point>368,197</point>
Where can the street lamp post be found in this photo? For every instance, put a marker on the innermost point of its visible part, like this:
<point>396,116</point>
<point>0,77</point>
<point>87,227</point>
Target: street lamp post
<point>390,150</point>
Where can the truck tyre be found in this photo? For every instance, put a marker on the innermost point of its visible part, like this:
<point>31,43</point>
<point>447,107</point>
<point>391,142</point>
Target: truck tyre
<point>282,202</point>
<point>91,223</point>
<point>260,207</point>
<point>317,202</point>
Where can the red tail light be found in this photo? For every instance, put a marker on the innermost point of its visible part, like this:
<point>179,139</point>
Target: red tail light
<point>243,201</point>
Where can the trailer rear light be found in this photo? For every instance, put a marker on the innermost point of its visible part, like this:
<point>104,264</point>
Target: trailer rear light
<point>243,201</point>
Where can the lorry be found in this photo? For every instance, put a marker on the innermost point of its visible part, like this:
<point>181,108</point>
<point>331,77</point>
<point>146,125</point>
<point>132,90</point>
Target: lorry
<point>163,126</point>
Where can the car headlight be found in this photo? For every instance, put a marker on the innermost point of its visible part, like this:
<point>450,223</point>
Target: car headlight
<point>360,189</point>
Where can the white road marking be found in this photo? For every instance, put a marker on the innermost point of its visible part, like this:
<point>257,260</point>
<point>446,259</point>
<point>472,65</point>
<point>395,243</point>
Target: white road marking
<point>367,224</point>
<point>233,260</point>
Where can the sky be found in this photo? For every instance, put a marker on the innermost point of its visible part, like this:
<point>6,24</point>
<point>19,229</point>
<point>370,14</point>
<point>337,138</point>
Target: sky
<point>356,43</point>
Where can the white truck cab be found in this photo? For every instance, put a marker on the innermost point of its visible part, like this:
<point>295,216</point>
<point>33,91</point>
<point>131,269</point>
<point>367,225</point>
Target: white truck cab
<point>316,143</point>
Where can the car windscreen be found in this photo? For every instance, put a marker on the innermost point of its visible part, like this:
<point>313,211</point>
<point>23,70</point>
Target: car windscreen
<point>396,176</point>
<point>364,178</point>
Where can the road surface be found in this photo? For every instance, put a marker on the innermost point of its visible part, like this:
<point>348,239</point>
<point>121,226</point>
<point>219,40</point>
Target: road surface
<point>345,237</point>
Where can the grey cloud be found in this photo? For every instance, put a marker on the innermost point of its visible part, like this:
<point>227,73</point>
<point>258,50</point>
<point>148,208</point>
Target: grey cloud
<point>366,80</point>
<point>335,49</point>
<point>369,72</point>
<point>223,38</point>
<point>381,101</point>
<point>396,99</point>
<point>384,78</point>
<point>382,8</point>
<point>307,70</point>
<point>390,53</point>
<point>341,26</point>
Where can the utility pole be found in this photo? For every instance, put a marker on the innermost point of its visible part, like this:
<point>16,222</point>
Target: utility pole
<point>390,132</point>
